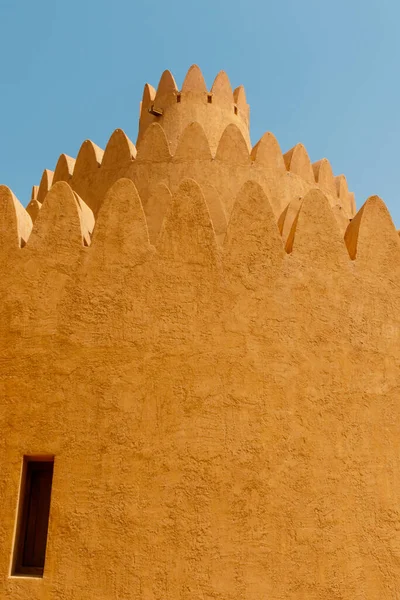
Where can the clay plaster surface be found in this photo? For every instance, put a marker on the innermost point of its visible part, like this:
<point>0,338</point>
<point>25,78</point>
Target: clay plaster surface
<point>218,380</point>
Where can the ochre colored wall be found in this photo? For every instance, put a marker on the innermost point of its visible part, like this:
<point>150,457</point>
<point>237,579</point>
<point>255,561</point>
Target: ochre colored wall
<point>223,402</point>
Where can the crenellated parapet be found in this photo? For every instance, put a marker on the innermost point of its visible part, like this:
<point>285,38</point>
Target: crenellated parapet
<point>200,135</point>
<point>171,225</point>
<point>177,251</point>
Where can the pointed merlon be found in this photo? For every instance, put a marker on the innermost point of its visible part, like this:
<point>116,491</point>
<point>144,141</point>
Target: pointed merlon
<point>87,219</point>
<point>149,94</point>
<point>155,210</point>
<point>341,186</point>
<point>153,146</point>
<point>222,88</point>
<point>120,234</point>
<point>15,222</point>
<point>232,147</point>
<point>324,176</point>
<point>119,151</point>
<point>347,198</point>
<point>64,168</point>
<point>33,209</point>
<point>57,230</point>
<point>187,235</point>
<point>252,244</point>
<point>267,153</point>
<point>167,84</point>
<point>89,159</point>
<point>239,97</point>
<point>298,162</point>
<point>34,193</point>
<point>45,185</point>
<point>372,239</point>
<point>315,235</point>
<point>193,144</point>
<point>145,118</point>
<point>351,204</point>
<point>194,81</point>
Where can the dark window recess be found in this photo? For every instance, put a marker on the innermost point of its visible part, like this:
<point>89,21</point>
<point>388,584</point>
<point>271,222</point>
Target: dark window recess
<point>209,98</point>
<point>31,541</point>
<point>178,97</point>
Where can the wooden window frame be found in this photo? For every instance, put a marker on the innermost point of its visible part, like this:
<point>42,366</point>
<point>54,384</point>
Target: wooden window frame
<point>18,567</point>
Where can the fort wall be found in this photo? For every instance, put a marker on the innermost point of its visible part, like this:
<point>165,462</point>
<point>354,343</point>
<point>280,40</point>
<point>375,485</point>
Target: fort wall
<point>207,340</point>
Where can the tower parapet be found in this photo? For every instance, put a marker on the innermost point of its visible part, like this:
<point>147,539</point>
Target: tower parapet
<point>213,109</point>
<point>204,135</point>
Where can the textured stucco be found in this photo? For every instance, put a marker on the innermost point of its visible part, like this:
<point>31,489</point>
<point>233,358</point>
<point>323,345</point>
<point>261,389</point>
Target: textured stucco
<point>210,349</point>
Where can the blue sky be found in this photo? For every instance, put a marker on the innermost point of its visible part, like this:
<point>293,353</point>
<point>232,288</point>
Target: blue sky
<point>322,73</point>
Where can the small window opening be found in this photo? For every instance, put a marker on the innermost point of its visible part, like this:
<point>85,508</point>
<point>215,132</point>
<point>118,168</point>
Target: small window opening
<point>178,97</point>
<point>235,109</point>
<point>33,516</point>
<point>209,98</point>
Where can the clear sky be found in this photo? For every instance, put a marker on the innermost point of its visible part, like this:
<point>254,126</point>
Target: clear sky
<point>324,73</point>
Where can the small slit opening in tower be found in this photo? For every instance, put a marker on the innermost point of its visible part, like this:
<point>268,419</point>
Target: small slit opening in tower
<point>209,98</point>
<point>33,513</point>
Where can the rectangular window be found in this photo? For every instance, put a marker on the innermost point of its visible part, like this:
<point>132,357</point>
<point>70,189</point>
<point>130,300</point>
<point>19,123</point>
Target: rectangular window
<point>33,519</point>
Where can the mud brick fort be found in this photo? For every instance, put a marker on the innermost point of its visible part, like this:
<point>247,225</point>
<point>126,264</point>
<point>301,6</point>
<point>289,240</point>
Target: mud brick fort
<point>199,369</point>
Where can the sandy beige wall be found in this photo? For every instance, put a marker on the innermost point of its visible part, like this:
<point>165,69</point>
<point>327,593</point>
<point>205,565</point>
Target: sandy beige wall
<point>225,419</point>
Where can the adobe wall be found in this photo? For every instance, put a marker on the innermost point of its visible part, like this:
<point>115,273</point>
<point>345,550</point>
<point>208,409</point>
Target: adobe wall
<point>223,407</point>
